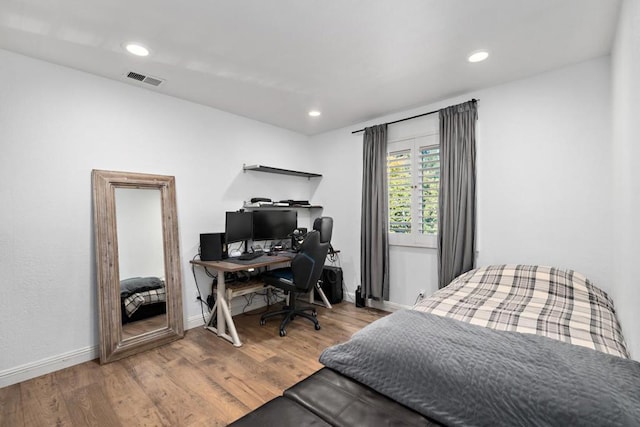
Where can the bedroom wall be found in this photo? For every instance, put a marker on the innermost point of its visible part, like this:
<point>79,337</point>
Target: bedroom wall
<point>544,180</point>
<point>56,125</point>
<point>626,174</point>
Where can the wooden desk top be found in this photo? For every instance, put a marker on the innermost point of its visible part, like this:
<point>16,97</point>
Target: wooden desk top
<point>232,266</point>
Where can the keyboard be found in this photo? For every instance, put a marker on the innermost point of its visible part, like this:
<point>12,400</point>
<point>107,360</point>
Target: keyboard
<point>250,255</point>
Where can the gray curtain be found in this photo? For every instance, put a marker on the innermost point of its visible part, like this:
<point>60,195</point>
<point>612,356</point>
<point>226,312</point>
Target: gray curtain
<point>374,244</point>
<point>457,203</point>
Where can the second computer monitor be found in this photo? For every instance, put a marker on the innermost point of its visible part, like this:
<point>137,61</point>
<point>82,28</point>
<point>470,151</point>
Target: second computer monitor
<point>238,227</point>
<point>274,224</point>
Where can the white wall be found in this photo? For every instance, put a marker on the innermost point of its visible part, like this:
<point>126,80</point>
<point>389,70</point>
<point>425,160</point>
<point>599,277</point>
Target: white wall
<point>544,177</point>
<point>56,125</point>
<point>626,174</point>
<point>544,171</point>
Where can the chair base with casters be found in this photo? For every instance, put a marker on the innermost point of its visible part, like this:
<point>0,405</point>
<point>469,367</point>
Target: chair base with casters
<point>289,312</point>
<point>283,278</point>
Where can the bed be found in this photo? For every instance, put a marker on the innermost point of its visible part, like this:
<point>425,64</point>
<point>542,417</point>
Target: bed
<point>142,297</point>
<point>500,345</point>
<point>560,304</point>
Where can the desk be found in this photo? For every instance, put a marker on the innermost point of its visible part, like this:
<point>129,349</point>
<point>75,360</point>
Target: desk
<point>220,309</point>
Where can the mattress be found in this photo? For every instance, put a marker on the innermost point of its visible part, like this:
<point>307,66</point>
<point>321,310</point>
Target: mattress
<point>559,304</point>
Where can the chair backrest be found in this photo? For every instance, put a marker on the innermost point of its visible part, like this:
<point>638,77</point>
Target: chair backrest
<point>308,263</point>
<point>324,225</point>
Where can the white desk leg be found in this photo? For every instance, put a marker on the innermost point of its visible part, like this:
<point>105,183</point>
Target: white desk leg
<point>223,313</point>
<point>322,296</point>
<point>220,296</point>
<point>232,327</point>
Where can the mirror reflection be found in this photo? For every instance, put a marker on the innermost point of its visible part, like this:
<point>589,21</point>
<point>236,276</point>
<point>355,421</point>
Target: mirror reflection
<point>140,260</point>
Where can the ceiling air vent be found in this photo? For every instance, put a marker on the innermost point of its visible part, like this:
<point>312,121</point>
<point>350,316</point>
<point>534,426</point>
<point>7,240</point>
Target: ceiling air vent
<point>153,81</point>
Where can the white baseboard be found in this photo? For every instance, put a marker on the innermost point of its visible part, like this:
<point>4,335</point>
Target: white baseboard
<point>381,305</point>
<point>47,365</point>
<point>55,363</point>
<point>194,321</point>
<point>75,357</point>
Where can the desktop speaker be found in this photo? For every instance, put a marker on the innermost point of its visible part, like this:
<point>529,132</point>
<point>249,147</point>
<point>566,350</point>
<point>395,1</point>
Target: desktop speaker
<point>213,247</point>
<point>332,283</point>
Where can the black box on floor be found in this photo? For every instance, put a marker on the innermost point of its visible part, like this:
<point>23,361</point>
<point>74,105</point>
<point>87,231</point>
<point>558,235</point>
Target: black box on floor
<point>331,284</point>
<point>359,298</point>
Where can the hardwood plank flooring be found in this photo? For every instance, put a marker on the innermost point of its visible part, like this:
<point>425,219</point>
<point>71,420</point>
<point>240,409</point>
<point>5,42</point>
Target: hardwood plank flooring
<point>197,381</point>
<point>145,325</point>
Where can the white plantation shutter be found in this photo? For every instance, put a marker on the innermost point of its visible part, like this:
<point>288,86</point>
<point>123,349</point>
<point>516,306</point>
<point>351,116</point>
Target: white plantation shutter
<point>413,179</point>
<point>429,178</point>
<point>400,185</point>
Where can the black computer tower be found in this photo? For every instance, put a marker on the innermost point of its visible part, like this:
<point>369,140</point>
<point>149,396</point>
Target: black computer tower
<point>331,284</point>
<point>213,247</point>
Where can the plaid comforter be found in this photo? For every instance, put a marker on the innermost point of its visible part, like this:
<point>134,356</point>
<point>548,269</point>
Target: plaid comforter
<point>134,301</point>
<point>559,304</point>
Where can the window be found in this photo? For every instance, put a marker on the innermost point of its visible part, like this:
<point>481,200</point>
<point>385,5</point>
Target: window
<point>413,179</point>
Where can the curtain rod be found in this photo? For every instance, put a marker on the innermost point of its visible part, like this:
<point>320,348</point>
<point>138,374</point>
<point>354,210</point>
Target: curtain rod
<point>412,117</point>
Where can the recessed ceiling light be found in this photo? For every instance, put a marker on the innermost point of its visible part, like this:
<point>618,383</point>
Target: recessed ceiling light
<point>137,49</point>
<point>314,113</point>
<point>478,56</point>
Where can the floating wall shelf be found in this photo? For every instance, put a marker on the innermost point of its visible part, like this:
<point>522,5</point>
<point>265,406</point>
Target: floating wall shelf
<point>269,169</point>
<point>271,207</point>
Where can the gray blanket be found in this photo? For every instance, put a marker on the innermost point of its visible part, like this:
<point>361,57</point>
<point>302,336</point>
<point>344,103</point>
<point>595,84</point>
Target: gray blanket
<point>461,374</point>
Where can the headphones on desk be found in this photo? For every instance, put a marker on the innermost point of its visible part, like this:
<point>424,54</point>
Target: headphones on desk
<point>297,237</point>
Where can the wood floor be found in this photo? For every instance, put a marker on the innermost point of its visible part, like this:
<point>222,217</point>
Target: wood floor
<point>197,381</point>
<point>145,325</point>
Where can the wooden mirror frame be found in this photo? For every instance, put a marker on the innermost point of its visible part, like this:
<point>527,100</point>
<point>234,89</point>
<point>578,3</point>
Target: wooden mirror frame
<point>112,345</point>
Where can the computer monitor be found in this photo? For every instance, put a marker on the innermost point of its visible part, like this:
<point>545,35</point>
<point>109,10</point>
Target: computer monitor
<point>238,227</point>
<point>273,225</point>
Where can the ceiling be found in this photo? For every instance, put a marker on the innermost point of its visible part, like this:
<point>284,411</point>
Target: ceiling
<point>273,61</point>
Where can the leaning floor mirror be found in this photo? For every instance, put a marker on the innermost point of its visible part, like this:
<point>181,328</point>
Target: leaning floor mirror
<point>138,262</point>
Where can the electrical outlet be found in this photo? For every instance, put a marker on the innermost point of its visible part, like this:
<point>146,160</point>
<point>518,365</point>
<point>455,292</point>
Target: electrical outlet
<point>421,294</point>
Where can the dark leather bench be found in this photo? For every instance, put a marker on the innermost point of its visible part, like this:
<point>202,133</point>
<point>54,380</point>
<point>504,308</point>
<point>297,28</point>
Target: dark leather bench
<point>329,398</point>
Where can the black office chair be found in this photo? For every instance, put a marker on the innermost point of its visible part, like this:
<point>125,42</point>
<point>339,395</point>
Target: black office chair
<point>324,225</point>
<point>301,278</point>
